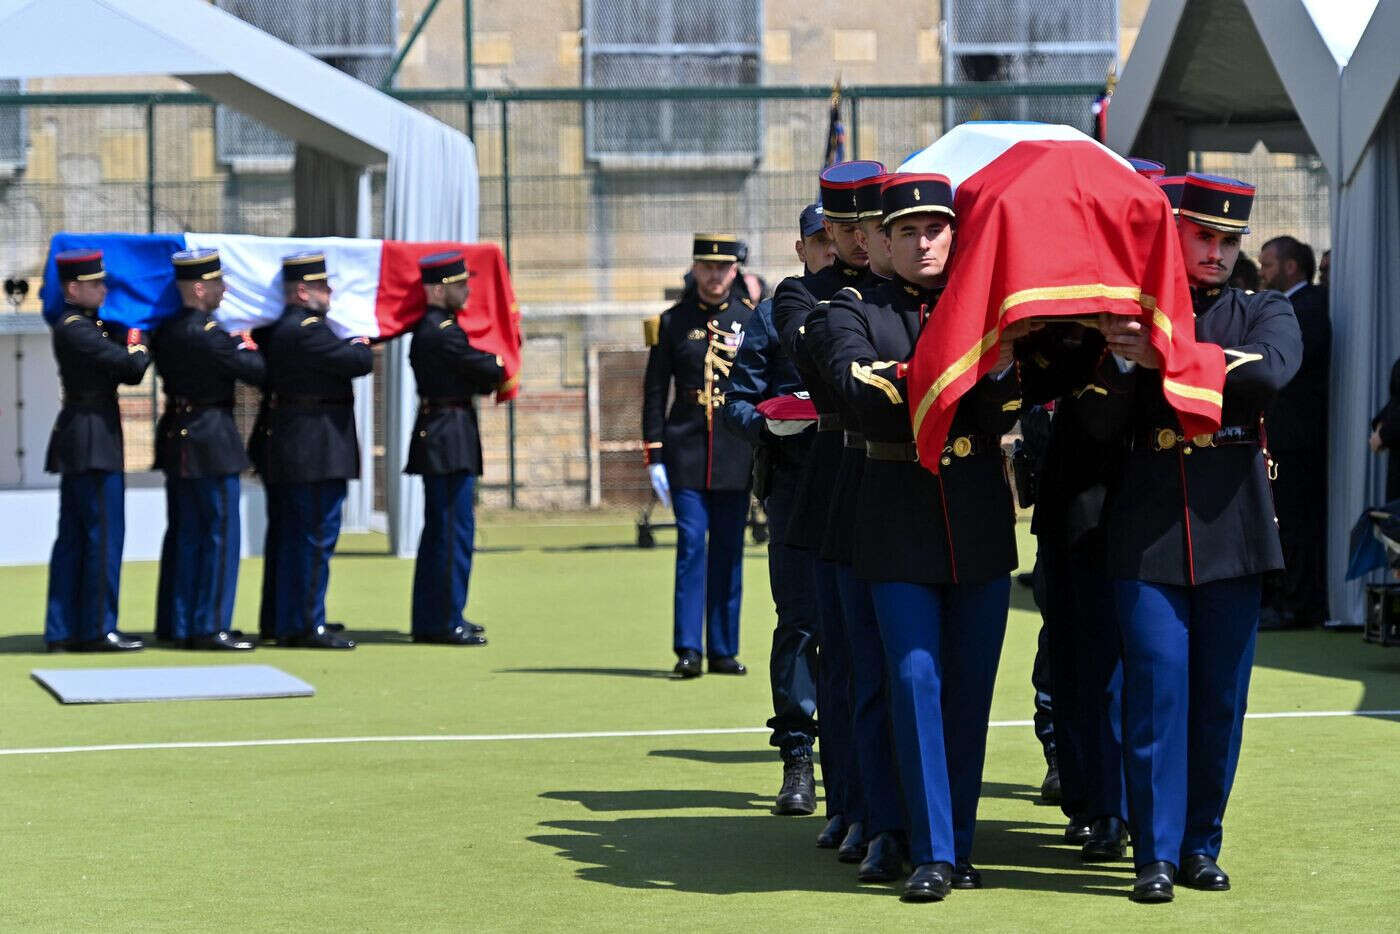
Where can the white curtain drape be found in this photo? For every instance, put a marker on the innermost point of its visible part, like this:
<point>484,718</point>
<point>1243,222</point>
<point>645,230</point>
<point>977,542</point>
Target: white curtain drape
<point>430,193</point>
<point>1365,308</point>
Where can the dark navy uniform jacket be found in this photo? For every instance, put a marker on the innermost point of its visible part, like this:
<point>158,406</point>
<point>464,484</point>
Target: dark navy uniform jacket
<point>1387,422</point>
<point>763,370</point>
<point>198,363</point>
<point>695,348</point>
<point>93,359</point>
<point>449,371</point>
<point>837,542</point>
<point>1058,363</point>
<point>306,428</point>
<point>911,525</point>
<point>793,303</point>
<point>1193,513</point>
<point>1298,418</point>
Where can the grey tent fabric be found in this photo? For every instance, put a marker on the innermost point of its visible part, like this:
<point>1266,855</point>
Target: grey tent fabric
<point>1365,342</point>
<point>431,193</point>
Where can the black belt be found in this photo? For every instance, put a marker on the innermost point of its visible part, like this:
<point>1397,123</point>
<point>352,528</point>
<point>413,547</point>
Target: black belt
<point>442,404</point>
<point>1167,439</point>
<point>284,398</point>
<point>185,404</point>
<point>829,421</point>
<point>908,452</point>
<point>89,398</point>
<point>854,439</point>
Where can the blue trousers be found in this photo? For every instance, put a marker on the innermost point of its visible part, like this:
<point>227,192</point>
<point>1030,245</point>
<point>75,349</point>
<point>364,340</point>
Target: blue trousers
<point>1044,722</point>
<point>199,557</point>
<point>792,663</point>
<point>303,524</point>
<point>86,564</point>
<point>872,726</point>
<point>841,779</point>
<point>1187,655</point>
<point>942,645</point>
<point>443,570</point>
<point>709,569</point>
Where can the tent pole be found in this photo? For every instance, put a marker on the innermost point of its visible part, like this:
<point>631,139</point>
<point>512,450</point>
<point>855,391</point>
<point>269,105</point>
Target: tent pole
<point>505,235</point>
<point>469,66</point>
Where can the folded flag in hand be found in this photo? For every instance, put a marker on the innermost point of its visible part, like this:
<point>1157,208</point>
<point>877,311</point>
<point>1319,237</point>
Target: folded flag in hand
<point>377,291</point>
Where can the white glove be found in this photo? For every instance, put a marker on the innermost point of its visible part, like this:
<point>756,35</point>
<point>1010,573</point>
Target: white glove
<point>659,484</point>
<point>785,428</point>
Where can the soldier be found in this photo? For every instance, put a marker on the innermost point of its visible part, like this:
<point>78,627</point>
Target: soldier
<point>307,449</point>
<point>793,302</point>
<point>883,821</point>
<point>94,356</point>
<point>697,465</point>
<point>1190,531</point>
<point>763,371</point>
<point>446,450</point>
<point>198,447</point>
<point>937,549</point>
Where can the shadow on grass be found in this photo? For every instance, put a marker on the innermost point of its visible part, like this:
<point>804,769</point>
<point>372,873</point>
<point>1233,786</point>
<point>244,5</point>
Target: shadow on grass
<point>731,854</point>
<point>659,799</point>
<point>23,645</point>
<point>1341,655</point>
<point>720,756</point>
<point>612,672</point>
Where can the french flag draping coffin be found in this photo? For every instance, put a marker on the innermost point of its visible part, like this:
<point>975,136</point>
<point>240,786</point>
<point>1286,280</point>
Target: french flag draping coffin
<point>1051,223</point>
<point>377,291</point>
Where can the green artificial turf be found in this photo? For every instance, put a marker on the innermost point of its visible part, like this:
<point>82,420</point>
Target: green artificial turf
<point>603,833</point>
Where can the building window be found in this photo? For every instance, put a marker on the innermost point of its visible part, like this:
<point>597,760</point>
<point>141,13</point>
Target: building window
<point>12,132</point>
<point>1029,41</point>
<point>669,43</point>
<point>355,36</point>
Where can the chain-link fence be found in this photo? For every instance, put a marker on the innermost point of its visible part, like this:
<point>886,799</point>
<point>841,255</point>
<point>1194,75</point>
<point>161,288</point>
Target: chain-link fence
<point>595,244</point>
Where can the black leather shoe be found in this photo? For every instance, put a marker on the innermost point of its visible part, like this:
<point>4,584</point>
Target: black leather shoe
<point>853,847</point>
<point>1050,791</point>
<point>114,641</point>
<point>687,666</point>
<point>930,882</point>
<point>966,876</point>
<point>835,829</point>
<point>219,641</point>
<point>1199,871</point>
<point>1154,883</point>
<point>1077,831</point>
<point>334,626</point>
<point>1108,838</point>
<point>457,635</point>
<point>727,665</point>
<point>884,859</point>
<point>798,796</point>
<point>473,627</point>
<point>319,637</point>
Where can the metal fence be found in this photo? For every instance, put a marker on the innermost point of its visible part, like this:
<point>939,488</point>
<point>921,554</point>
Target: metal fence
<point>593,244</point>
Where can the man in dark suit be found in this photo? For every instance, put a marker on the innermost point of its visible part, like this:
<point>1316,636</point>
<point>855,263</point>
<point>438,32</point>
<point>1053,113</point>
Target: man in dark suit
<point>1297,428</point>
<point>94,356</point>
<point>306,450</point>
<point>199,448</point>
<point>446,450</point>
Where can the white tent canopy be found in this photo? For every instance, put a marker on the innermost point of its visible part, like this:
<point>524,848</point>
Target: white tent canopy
<point>342,126</point>
<point>1315,76</point>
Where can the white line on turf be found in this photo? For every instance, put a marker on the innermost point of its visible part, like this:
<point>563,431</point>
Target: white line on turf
<point>499,737</point>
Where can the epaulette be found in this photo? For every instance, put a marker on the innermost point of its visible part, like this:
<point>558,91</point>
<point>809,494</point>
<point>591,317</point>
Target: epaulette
<point>651,330</point>
<point>210,325</point>
<point>446,324</point>
<point>748,302</point>
<point>854,291</point>
<point>311,319</point>
<point>72,318</point>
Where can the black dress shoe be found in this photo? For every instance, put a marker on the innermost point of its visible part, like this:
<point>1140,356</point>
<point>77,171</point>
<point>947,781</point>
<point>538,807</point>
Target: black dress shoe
<point>930,882</point>
<point>114,641</point>
<point>1050,791</point>
<point>473,627</point>
<point>1154,883</point>
<point>1078,831</point>
<point>727,665</point>
<point>457,635</point>
<point>319,637</point>
<point>966,876</point>
<point>1199,871</point>
<point>853,847</point>
<point>884,859</point>
<point>219,641</point>
<point>835,829</point>
<point>687,665</point>
<point>1108,838</point>
<point>798,796</point>
<point>334,626</point>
